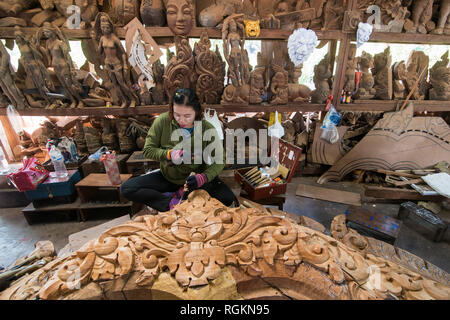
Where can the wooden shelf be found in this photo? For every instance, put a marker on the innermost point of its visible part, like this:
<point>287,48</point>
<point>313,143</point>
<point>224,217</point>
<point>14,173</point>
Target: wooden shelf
<point>394,37</point>
<point>383,105</point>
<point>103,111</point>
<point>163,32</point>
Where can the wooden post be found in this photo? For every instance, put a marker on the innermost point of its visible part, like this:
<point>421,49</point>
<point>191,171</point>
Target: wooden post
<point>11,135</point>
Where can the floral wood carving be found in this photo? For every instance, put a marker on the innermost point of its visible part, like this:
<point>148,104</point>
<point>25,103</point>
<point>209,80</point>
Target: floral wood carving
<point>200,237</point>
<point>178,73</point>
<point>211,71</point>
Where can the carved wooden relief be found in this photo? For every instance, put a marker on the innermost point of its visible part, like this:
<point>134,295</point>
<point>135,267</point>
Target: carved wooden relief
<point>382,73</point>
<point>322,77</point>
<point>397,141</point>
<point>417,62</point>
<point>366,90</point>
<point>180,16</point>
<point>179,71</point>
<point>200,242</point>
<point>440,79</point>
<point>210,69</point>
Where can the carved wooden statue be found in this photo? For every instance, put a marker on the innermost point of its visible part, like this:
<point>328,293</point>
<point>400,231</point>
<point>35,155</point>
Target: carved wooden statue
<point>180,16</point>
<point>366,83</point>
<point>179,72</point>
<point>32,61</point>
<point>383,75</point>
<point>7,80</point>
<point>57,50</point>
<point>417,62</point>
<point>421,13</point>
<point>399,80</point>
<point>322,76</point>
<point>352,66</point>
<point>440,79</point>
<point>153,13</point>
<point>210,69</point>
<point>157,92</point>
<point>333,15</point>
<point>279,85</point>
<point>205,250</point>
<point>443,25</point>
<point>233,47</point>
<point>257,85</point>
<point>115,60</point>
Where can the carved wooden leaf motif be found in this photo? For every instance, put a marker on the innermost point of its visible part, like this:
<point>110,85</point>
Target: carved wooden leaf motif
<point>200,236</point>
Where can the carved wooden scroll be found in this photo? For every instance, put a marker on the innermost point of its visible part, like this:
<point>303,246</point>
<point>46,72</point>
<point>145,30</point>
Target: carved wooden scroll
<point>397,141</point>
<point>201,242</point>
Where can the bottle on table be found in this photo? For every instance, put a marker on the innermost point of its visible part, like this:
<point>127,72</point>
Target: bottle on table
<point>58,162</point>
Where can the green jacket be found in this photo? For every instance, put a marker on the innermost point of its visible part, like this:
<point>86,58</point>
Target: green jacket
<point>158,143</point>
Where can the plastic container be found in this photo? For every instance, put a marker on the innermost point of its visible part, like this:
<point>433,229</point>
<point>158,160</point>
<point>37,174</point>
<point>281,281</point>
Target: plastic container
<point>58,162</point>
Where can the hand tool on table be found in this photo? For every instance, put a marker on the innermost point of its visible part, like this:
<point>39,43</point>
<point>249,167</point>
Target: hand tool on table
<point>251,171</point>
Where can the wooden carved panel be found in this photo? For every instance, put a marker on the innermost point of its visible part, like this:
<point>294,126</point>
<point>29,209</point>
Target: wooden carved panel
<point>397,141</point>
<point>200,241</point>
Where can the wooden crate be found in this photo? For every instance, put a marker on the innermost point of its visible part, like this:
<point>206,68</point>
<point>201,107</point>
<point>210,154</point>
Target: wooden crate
<point>373,224</point>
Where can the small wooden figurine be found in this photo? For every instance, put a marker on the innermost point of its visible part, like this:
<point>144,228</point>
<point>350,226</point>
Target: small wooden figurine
<point>416,66</point>
<point>422,11</point>
<point>233,47</point>
<point>257,85</point>
<point>440,79</point>
<point>399,79</point>
<point>214,14</point>
<point>383,75</point>
<point>365,90</point>
<point>322,76</point>
<point>443,25</point>
<point>298,92</point>
<point>157,92</point>
<point>279,85</point>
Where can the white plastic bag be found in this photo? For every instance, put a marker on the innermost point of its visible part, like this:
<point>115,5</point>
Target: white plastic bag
<point>15,119</point>
<point>329,127</point>
<point>214,120</point>
<point>276,130</point>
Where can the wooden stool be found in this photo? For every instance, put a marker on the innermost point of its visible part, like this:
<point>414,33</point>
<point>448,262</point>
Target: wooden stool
<point>373,224</point>
<point>277,200</point>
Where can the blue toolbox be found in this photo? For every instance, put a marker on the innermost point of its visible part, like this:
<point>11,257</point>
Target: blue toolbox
<point>55,190</point>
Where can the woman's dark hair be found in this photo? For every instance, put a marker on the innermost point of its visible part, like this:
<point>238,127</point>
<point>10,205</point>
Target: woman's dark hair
<point>186,97</point>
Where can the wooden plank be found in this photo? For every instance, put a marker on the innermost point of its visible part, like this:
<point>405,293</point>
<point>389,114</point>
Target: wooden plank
<point>328,194</point>
<point>398,194</point>
<point>344,49</point>
<point>393,37</point>
<point>11,135</point>
<point>156,109</point>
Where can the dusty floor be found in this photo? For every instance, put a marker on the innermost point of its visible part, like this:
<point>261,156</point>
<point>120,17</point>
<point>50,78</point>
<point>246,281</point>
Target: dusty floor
<point>17,238</point>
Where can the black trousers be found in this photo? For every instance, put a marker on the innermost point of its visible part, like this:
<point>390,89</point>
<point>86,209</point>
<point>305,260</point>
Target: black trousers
<point>149,189</point>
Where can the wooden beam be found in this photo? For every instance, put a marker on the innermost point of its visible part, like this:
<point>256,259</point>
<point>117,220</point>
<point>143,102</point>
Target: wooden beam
<point>398,194</point>
<point>328,194</point>
<point>392,105</point>
<point>164,32</point>
<point>103,111</point>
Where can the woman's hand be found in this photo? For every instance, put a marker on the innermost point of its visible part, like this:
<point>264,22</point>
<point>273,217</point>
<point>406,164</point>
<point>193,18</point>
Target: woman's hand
<point>195,182</point>
<point>175,155</point>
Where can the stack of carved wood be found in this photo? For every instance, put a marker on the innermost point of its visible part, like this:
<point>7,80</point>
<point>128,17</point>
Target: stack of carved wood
<point>205,250</point>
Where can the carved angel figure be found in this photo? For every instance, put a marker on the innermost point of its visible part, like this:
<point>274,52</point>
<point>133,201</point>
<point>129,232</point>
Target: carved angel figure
<point>114,59</point>
<point>233,47</point>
